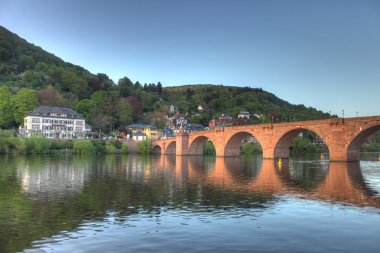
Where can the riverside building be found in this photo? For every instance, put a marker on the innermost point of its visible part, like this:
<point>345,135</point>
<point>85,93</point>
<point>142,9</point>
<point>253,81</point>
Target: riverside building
<point>55,123</point>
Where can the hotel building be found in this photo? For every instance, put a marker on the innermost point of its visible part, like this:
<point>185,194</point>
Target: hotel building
<point>55,123</point>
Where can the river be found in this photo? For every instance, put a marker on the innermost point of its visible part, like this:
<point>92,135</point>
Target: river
<point>128,203</point>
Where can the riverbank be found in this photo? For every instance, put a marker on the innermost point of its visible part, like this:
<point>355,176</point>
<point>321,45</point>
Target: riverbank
<point>11,144</point>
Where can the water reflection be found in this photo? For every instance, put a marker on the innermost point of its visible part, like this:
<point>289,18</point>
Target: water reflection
<point>42,196</point>
<point>42,176</point>
<point>337,181</point>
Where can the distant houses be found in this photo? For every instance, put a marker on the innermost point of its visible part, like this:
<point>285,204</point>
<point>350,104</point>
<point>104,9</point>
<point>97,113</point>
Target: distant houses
<point>181,121</point>
<point>138,136</point>
<point>189,128</point>
<point>173,109</point>
<point>65,123</point>
<point>244,114</point>
<point>202,108</point>
<point>142,132</point>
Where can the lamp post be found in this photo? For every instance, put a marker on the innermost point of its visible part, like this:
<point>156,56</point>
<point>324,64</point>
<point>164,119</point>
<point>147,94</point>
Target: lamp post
<point>342,113</point>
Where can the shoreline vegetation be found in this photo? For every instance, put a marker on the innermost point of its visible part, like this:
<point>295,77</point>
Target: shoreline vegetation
<point>11,144</point>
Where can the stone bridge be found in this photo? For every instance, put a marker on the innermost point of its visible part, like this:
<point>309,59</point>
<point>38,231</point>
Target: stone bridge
<point>342,136</point>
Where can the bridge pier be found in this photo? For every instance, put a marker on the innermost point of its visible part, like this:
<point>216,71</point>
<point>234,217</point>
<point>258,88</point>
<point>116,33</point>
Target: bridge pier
<point>182,143</point>
<point>342,156</point>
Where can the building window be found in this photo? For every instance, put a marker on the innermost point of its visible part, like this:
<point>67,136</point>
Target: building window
<point>78,129</point>
<point>35,120</point>
<point>35,127</point>
<point>79,122</point>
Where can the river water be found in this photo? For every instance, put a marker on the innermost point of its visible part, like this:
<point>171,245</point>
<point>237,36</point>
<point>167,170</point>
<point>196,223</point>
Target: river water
<point>188,204</point>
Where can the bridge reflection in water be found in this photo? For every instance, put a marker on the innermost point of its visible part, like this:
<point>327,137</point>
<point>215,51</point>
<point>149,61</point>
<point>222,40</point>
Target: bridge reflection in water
<point>340,182</point>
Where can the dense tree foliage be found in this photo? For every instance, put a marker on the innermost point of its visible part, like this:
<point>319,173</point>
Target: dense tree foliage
<point>30,76</point>
<point>24,100</point>
<point>6,116</point>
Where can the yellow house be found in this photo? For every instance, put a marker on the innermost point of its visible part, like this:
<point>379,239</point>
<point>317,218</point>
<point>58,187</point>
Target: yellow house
<point>150,131</point>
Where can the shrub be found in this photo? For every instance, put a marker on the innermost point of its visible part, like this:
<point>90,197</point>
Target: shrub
<point>100,146</point>
<point>144,147</point>
<point>83,147</point>
<point>302,145</point>
<point>17,145</point>
<point>208,148</point>
<point>124,149</point>
<point>37,145</point>
<point>110,148</point>
<point>370,147</point>
<point>6,133</point>
<point>61,145</point>
<point>117,144</point>
<point>4,147</point>
<point>251,148</point>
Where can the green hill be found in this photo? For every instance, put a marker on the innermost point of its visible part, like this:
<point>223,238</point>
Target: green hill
<point>107,106</point>
<point>231,99</point>
<point>24,65</point>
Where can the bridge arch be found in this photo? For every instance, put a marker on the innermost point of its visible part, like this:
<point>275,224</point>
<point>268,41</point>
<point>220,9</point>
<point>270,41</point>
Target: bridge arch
<point>156,149</point>
<point>196,146</point>
<point>171,148</point>
<point>282,146</point>
<point>232,147</point>
<point>353,149</point>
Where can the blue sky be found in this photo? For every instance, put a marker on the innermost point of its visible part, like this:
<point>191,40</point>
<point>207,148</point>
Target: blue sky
<point>324,54</point>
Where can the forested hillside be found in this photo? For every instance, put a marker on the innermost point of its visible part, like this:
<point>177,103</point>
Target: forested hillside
<point>30,76</point>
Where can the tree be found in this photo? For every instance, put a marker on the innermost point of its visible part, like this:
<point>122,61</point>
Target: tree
<point>84,107</point>
<point>189,94</point>
<point>196,119</point>
<point>125,112</point>
<point>25,100</point>
<point>26,62</point>
<point>69,81</point>
<point>94,83</point>
<point>159,88</point>
<point>125,86</point>
<point>160,123</point>
<point>106,82</point>
<point>100,121</point>
<point>138,85</point>
<point>50,96</point>
<point>98,98</point>
<point>6,117</point>
<point>137,107</point>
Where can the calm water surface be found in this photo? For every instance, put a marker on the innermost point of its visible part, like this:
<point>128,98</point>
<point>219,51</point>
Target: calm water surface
<point>188,204</point>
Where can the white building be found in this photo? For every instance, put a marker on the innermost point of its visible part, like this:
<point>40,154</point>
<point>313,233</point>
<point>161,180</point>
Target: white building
<point>139,136</point>
<point>244,114</point>
<point>173,109</point>
<point>181,121</point>
<point>54,123</point>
